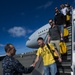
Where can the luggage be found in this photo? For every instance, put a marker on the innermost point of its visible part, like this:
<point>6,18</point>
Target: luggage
<point>66,32</point>
<point>67,17</point>
<point>63,47</point>
<point>66,35</point>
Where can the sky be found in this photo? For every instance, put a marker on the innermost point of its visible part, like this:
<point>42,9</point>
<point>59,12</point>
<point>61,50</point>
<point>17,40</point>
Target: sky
<point>20,18</point>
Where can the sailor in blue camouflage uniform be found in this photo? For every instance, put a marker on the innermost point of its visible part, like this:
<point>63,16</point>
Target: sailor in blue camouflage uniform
<point>11,66</point>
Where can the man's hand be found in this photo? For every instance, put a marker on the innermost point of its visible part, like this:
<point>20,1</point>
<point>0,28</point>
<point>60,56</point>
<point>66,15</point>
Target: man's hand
<point>59,59</point>
<point>33,65</point>
<point>64,25</point>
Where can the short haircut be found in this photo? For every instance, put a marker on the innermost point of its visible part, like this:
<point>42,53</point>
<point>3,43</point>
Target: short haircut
<point>7,47</point>
<point>40,38</point>
<point>51,19</point>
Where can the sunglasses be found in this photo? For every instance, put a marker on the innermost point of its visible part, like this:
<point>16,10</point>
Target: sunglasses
<point>13,49</point>
<point>50,22</point>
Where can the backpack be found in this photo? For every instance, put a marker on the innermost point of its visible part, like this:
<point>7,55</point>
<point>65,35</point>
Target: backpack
<point>66,32</point>
<point>52,52</point>
<point>63,47</point>
<point>67,17</point>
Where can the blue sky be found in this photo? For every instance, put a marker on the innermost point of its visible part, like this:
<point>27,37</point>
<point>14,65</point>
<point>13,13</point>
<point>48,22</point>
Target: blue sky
<point>20,18</point>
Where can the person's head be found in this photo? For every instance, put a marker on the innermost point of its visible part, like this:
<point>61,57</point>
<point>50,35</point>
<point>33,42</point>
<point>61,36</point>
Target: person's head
<point>56,10</point>
<point>67,5</point>
<point>10,49</point>
<point>51,22</point>
<point>40,41</point>
<point>62,6</point>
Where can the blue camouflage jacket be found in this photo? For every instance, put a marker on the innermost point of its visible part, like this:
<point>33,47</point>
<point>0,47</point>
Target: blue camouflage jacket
<point>11,66</point>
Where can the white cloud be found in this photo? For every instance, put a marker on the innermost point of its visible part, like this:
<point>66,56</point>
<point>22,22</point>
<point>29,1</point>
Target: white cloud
<point>17,31</point>
<point>45,5</point>
<point>1,45</point>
